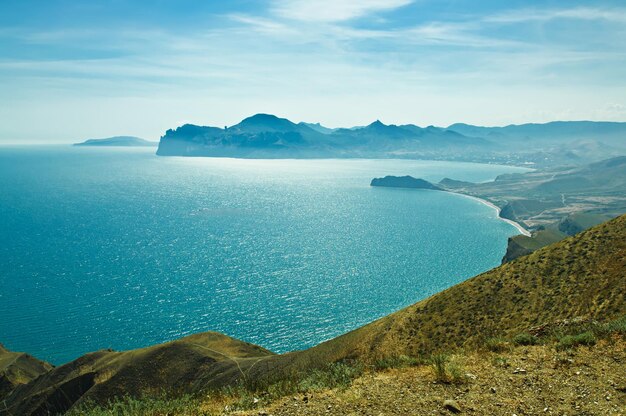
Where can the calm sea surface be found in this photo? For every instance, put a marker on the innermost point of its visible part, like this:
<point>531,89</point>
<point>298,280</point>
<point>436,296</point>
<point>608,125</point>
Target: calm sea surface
<point>119,248</point>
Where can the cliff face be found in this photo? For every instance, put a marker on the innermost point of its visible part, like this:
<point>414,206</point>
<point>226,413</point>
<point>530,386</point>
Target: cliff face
<point>581,276</point>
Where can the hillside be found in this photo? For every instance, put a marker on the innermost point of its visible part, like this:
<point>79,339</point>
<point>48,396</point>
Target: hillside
<point>18,368</point>
<point>544,196</point>
<point>194,363</point>
<point>581,276</point>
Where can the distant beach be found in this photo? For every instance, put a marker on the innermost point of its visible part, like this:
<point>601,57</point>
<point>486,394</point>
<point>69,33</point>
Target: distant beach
<point>517,225</point>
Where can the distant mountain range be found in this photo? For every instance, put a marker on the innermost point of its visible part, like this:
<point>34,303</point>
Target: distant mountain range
<point>265,135</point>
<point>124,141</point>
<point>269,136</point>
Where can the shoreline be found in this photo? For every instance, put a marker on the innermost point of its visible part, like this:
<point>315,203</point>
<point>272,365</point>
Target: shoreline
<point>517,225</point>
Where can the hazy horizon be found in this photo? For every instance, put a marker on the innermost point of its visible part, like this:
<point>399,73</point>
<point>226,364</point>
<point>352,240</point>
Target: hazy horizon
<point>71,71</point>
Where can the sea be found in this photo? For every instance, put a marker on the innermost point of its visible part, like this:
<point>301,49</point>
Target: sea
<point>119,248</point>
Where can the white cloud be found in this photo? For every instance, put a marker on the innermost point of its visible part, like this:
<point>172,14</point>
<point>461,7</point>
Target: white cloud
<point>578,13</point>
<point>263,25</point>
<point>332,10</point>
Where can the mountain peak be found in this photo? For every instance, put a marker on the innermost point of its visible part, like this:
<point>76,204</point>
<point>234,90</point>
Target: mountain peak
<point>266,122</point>
<point>377,123</point>
<point>261,118</point>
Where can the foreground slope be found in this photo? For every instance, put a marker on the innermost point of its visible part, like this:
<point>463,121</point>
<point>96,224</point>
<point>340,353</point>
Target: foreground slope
<point>582,276</point>
<point>521,380</point>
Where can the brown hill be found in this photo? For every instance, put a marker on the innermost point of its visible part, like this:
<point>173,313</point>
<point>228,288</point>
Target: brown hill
<point>194,363</point>
<point>18,368</point>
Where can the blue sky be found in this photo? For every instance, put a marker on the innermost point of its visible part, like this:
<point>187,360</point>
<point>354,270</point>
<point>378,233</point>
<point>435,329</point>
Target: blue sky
<point>70,70</point>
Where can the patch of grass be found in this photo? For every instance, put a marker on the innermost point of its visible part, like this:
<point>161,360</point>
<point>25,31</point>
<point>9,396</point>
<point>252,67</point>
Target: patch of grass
<point>240,397</point>
<point>500,362</point>
<point>447,369</point>
<point>616,327</point>
<point>146,406</point>
<point>439,364</point>
<point>497,344</point>
<point>525,339</point>
<point>401,361</point>
<point>571,341</point>
<point>335,375</point>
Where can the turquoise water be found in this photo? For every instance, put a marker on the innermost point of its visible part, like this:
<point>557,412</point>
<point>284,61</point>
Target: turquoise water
<point>118,248</point>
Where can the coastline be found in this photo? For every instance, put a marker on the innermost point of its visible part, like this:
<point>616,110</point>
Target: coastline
<point>517,225</point>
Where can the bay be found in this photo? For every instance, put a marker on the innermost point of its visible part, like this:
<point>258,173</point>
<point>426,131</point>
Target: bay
<point>119,248</point>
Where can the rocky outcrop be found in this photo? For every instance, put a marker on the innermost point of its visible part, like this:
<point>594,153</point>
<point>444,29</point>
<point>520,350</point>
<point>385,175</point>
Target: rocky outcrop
<point>404,182</point>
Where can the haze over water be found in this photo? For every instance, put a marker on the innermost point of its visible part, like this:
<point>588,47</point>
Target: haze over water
<point>119,248</point>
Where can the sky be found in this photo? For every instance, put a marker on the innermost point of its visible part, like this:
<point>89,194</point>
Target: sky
<point>71,70</point>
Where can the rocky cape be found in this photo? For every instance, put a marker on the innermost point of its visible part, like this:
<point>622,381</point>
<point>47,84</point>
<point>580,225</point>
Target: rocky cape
<point>404,182</point>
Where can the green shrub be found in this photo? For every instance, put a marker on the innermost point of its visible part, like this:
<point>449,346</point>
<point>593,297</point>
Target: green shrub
<point>447,370</point>
<point>525,339</point>
<point>571,341</point>
<point>439,363</point>
<point>500,362</point>
<point>456,372</point>
<point>497,344</point>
